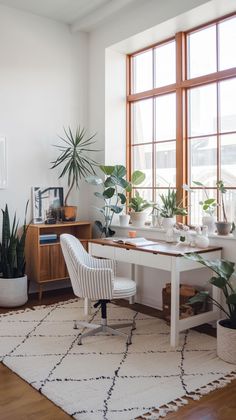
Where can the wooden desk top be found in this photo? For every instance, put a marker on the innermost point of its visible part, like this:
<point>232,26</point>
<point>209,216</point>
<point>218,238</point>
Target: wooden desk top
<point>161,247</point>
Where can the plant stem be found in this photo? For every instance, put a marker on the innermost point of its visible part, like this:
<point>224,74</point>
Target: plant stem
<point>68,193</point>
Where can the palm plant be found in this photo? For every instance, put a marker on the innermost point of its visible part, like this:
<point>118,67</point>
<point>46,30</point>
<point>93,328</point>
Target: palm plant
<point>74,157</point>
<point>12,247</point>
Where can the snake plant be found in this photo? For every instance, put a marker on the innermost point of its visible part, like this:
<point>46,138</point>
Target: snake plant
<point>12,246</point>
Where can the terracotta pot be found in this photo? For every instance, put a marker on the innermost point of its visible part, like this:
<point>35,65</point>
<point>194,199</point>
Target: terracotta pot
<point>69,213</point>
<point>226,342</point>
<point>223,228</point>
<point>13,292</point>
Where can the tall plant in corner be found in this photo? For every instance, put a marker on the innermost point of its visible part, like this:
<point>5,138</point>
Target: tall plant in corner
<point>12,246</point>
<point>75,162</point>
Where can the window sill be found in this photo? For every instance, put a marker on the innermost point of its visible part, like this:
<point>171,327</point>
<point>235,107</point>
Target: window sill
<point>229,237</point>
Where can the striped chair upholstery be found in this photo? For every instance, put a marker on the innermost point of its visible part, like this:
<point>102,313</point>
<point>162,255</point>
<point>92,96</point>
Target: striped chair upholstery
<point>95,279</point>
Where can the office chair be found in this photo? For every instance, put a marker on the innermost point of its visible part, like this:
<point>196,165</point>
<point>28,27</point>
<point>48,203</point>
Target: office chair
<point>95,279</point>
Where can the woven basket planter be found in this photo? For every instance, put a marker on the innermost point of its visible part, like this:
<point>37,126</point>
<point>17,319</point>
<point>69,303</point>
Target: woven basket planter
<point>226,343</point>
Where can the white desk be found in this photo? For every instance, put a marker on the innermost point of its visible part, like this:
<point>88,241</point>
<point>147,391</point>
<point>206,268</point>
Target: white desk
<point>165,257</point>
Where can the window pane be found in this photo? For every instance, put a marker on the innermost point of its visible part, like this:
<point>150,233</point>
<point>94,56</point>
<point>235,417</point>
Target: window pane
<point>142,161</point>
<point>202,52</point>
<point>165,117</point>
<point>142,121</point>
<point>165,64</point>
<point>142,72</point>
<point>228,159</point>
<point>230,206</point>
<point>166,164</point>
<point>195,209</point>
<point>227,42</point>
<point>228,105</point>
<point>203,161</point>
<point>202,118</point>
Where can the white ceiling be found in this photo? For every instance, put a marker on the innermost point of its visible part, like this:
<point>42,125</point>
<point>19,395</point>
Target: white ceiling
<point>83,14</point>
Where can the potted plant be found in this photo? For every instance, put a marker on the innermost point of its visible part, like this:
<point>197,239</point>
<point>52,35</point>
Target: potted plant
<point>170,208</point>
<point>208,206</point>
<point>137,205</point>
<point>226,328</point>
<point>113,192</point>
<point>13,280</point>
<point>76,164</point>
<point>223,226</point>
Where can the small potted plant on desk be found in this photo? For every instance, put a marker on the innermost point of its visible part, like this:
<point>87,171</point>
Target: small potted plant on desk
<point>170,208</point>
<point>223,226</point>
<point>137,205</point>
<point>209,207</point>
<point>13,280</point>
<point>226,328</point>
<point>76,164</point>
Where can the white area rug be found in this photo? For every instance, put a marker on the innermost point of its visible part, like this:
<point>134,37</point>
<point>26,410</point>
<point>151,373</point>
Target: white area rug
<point>104,379</point>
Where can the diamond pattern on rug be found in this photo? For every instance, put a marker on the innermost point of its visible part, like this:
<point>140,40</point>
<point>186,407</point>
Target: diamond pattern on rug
<point>104,379</point>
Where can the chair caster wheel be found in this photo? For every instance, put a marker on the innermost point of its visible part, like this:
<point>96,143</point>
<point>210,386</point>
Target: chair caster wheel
<point>75,326</point>
<point>79,343</point>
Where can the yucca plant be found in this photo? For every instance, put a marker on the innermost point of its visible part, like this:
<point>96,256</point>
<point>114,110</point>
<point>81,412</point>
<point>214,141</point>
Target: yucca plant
<point>170,207</point>
<point>74,158</point>
<point>12,247</point>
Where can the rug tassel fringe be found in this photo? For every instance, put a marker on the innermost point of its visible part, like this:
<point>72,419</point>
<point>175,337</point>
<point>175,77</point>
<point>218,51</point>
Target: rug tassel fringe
<point>160,413</point>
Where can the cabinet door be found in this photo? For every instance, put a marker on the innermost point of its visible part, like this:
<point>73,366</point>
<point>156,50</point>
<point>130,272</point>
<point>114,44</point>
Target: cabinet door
<point>57,262</point>
<point>45,271</point>
<point>52,264</point>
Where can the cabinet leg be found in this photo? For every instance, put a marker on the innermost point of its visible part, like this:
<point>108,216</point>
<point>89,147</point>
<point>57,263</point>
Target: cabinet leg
<point>40,292</point>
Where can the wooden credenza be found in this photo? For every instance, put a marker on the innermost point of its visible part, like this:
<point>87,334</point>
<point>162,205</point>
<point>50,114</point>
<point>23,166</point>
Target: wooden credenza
<point>44,261</point>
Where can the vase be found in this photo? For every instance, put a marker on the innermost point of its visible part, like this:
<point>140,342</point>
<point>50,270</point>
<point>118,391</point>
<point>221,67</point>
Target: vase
<point>138,218</point>
<point>124,219</point>
<point>209,221</point>
<point>168,222</point>
<point>223,228</point>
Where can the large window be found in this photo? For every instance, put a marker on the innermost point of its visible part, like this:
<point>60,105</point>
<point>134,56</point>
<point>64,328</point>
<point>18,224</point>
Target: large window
<point>182,114</point>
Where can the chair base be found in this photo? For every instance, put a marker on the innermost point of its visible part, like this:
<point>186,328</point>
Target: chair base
<point>104,328</point>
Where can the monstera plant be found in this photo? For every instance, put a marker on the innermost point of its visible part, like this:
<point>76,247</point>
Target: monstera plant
<point>222,279</point>
<point>113,193</point>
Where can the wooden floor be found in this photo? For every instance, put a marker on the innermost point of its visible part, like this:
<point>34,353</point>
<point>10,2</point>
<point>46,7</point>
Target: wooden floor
<point>18,400</point>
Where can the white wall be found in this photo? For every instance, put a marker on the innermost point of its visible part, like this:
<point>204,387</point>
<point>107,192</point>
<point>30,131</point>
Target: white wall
<point>43,87</point>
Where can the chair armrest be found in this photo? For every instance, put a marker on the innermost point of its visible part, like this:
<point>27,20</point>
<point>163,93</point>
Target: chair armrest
<point>96,283</point>
<point>104,263</point>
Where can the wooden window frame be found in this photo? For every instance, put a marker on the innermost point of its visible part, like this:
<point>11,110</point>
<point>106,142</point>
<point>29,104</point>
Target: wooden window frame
<point>181,87</point>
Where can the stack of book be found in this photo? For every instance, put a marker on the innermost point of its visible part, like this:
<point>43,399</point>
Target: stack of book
<point>48,238</point>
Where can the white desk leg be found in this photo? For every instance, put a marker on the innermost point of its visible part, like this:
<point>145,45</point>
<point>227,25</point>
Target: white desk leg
<point>87,306</point>
<point>133,277</point>
<point>174,322</point>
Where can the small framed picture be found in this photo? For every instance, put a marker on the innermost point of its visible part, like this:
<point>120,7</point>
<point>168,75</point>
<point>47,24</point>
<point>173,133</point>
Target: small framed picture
<point>46,201</point>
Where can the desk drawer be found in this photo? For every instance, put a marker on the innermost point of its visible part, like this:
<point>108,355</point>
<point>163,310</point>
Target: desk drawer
<point>127,255</point>
<point>101,251</point>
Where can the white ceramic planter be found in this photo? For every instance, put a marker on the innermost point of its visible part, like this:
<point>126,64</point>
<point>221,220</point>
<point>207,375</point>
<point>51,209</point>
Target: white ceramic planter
<point>226,343</point>
<point>168,222</point>
<point>138,218</point>
<point>13,292</point>
<point>124,219</point>
<point>209,221</point>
